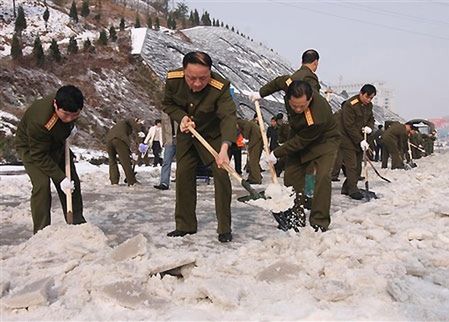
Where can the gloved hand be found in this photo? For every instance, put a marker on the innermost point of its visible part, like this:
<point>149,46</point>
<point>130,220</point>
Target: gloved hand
<point>254,96</point>
<point>364,145</point>
<point>143,148</point>
<point>272,158</point>
<point>67,185</point>
<point>245,141</point>
<point>367,130</point>
<point>73,132</point>
<point>134,156</point>
<point>141,134</point>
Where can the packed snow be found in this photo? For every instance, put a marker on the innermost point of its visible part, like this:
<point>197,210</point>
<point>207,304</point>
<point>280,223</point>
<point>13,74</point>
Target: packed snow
<point>386,259</point>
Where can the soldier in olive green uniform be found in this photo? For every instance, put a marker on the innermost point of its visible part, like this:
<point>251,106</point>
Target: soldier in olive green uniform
<point>118,142</point>
<point>40,142</point>
<point>196,96</point>
<point>314,140</point>
<point>283,133</point>
<point>395,141</point>
<point>356,117</point>
<point>339,158</point>
<point>251,132</point>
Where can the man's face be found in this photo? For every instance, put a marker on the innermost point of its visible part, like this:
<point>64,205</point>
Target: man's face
<point>273,123</point>
<point>66,116</point>
<point>299,104</point>
<point>197,76</point>
<point>366,98</point>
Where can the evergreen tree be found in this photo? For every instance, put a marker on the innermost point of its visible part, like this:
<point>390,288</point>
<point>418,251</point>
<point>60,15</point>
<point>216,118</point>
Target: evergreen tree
<point>196,17</point>
<point>205,19</point>
<point>112,34</point>
<point>21,22</point>
<point>218,23</point>
<point>149,22</point>
<point>103,39</point>
<point>38,52</point>
<point>54,51</point>
<point>122,24</point>
<point>85,8</point>
<point>222,25</point>
<point>137,24</point>
<point>191,18</point>
<point>73,12</point>
<point>72,48</point>
<point>157,24</point>
<point>16,48</point>
<point>232,29</point>
<point>46,16</point>
<point>227,27</point>
<point>87,46</point>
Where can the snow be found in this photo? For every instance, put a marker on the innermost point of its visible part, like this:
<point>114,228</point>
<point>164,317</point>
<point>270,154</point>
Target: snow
<point>137,39</point>
<point>387,259</point>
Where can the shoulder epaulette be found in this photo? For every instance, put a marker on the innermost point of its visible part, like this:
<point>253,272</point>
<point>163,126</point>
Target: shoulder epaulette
<point>288,81</point>
<point>354,101</point>
<point>217,84</point>
<point>309,117</point>
<point>175,74</point>
<point>51,122</point>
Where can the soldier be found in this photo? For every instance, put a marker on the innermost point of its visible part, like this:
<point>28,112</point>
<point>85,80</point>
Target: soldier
<point>251,133</point>
<point>313,141</point>
<point>356,119</point>
<point>378,142</point>
<point>40,143</point>
<point>395,142</point>
<point>339,158</point>
<point>195,96</point>
<point>283,133</point>
<point>118,141</point>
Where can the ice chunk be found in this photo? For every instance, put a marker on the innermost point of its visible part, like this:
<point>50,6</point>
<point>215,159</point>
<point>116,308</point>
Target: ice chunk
<point>133,247</point>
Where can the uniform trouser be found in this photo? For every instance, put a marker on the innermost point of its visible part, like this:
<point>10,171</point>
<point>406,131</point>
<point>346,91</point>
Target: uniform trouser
<point>396,159</point>
<point>320,211</point>
<point>352,160</point>
<point>116,146</point>
<point>41,196</point>
<point>255,152</point>
<point>169,154</point>
<point>185,216</point>
<point>156,147</point>
<point>377,152</point>
<point>385,155</point>
<point>337,164</point>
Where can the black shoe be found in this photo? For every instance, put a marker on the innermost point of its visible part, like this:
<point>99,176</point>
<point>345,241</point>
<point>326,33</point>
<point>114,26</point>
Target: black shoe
<point>356,195</point>
<point>179,233</point>
<point>319,228</point>
<point>225,238</point>
<point>161,186</point>
<point>361,178</point>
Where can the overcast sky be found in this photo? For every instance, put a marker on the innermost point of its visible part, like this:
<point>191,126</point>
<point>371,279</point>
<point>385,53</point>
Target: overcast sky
<point>402,43</point>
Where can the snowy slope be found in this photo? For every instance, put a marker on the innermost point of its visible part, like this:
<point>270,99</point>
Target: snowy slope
<point>387,259</point>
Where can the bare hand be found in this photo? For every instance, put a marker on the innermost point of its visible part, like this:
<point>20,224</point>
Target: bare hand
<point>185,123</point>
<point>223,157</point>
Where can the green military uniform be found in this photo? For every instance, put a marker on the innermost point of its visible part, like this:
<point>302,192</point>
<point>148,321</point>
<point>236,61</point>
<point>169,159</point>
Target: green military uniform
<point>40,143</point>
<point>118,141</point>
<point>283,133</point>
<point>251,132</point>
<point>314,140</point>
<point>395,143</point>
<point>339,158</point>
<point>214,114</point>
<point>417,140</point>
<point>354,116</point>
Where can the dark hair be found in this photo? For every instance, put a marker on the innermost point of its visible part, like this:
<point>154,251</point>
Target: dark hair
<point>368,89</point>
<point>298,89</point>
<point>279,116</point>
<point>380,126</point>
<point>309,56</point>
<point>197,57</point>
<point>274,118</point>
<point>69,98</point>
<point>412,126</point>
<point>157,121</point>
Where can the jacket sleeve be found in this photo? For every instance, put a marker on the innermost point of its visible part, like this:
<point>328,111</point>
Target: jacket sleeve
<point>277,84</point>
<point>169,106</point>
<point>348,120</point>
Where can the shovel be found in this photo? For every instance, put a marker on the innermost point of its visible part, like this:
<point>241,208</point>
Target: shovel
<point>69,191</point>
<point>254,195</point>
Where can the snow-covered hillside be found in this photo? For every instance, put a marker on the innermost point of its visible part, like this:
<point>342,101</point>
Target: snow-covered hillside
<point>387,259</point>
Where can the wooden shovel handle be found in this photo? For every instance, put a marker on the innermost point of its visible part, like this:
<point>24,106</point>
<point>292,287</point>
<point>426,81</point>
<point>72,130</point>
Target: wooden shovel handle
<point>68,175</point>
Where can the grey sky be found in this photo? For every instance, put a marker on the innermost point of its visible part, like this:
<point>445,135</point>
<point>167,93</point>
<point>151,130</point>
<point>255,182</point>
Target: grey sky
<point>404,43</point>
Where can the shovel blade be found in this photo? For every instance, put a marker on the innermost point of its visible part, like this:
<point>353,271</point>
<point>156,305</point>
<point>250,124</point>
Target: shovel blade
<point>253,196</point>
<point>369,195</point>
<point>292,218</point>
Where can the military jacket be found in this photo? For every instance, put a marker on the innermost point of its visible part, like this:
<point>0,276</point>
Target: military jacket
<point>41,136</point>
<point>312,133</point>
<point>122,131</point>
<point>283,132</point>
<point>355,116</point>
<point>396,132</point>
<point>212,110</point>
<point>282,82</point>
<point>250,131</point>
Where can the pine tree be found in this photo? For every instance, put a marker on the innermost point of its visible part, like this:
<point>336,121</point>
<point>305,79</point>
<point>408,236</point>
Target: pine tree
<point>205,19</point>
<point>73,12</point>
<point>213,22</point>
<point>191,18</point>
<point>112,34</point>
<point>85,8</point>
<point>21,22</point>
<point>149,22</point>
<point>137,24</point>
<point>103,39</point>
<point>38,52</point>
<point>227,27</point>
<point>222,25</point>
<point>87,46</point>
<point>157,24</point>
<point>72,48</point>
<point>46,16</point>
<point>232,29</point>
<point>54,51</point>
<point>16,48</point>
<point>196,17</point>
<point>122,24</point>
